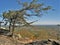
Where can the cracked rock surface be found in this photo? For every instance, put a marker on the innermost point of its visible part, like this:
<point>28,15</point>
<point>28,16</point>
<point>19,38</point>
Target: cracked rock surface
<point>4,40</point>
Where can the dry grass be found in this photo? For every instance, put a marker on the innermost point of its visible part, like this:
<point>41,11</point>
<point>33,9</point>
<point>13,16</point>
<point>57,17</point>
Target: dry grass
<point>37,34</point>
<point>26,35</point>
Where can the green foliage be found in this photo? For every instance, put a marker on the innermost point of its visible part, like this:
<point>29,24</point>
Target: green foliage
<point>21,16</point>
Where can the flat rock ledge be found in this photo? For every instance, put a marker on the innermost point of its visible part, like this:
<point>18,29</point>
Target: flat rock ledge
<point>4,40</point>
<point>8,41</point>
<point>45,42</point>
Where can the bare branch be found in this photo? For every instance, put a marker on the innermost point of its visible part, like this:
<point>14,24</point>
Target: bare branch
<point>27,8</point>
<point>29,24</point>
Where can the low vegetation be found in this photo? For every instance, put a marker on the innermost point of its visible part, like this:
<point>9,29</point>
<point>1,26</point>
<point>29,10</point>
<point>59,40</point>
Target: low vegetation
<point>36,33</point>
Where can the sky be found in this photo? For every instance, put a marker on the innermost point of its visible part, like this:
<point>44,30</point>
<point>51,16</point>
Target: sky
<point>51,18</point>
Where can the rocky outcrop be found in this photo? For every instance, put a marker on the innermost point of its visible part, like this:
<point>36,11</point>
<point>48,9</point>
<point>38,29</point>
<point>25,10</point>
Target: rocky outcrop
<point>54,42</point>
<point>37,43</point>
<point>45,42</point>
<point>4,40</point>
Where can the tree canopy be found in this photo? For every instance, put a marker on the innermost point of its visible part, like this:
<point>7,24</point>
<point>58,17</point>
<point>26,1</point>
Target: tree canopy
<point>21,16</point>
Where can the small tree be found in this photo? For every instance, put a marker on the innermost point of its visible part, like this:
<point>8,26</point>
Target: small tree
<point>21,16</point>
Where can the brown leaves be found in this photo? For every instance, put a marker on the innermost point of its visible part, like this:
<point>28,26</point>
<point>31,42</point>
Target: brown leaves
<point>47,8</point>
<point>25,4</point>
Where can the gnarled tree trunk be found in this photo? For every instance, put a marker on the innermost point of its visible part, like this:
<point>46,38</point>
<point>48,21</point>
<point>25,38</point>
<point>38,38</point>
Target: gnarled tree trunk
<point>13,27</point>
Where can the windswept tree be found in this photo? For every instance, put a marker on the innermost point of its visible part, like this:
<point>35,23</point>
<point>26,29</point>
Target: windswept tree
<point>27,11</point>
<point>8,18</point>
